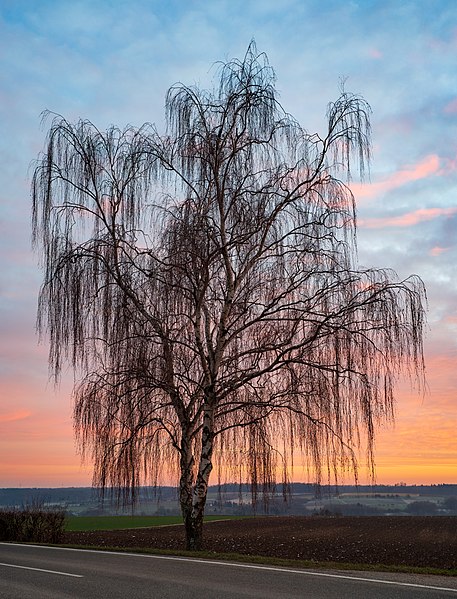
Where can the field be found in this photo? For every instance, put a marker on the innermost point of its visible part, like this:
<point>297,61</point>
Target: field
<point>416,541</point>
<point>81,523</point>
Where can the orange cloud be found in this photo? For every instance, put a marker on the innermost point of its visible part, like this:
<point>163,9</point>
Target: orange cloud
<point>13,416</point>
<point>430,165</point>
<point>409,219</point>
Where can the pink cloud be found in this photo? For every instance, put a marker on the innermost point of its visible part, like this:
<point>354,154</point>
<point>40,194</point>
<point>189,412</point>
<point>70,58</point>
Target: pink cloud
<point>437,251</point>
<point>375,53</point>
<point>425,168</point>
<point>409,219</point>
<point>451,107</point>
<point>14,416</point>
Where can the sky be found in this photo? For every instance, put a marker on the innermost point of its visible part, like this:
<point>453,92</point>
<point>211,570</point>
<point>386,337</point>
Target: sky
<point>112,62</point>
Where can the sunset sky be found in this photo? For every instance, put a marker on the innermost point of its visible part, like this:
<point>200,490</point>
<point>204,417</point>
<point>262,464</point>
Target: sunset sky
<point>113,61</point>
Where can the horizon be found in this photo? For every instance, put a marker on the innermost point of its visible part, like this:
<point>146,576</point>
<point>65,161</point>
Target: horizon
<point>113,63</point>
<point>400,485</point>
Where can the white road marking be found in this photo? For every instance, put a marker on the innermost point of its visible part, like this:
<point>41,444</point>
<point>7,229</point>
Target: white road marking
<point>41,570</point>
<point>241,565</point>
<point>304,572</point>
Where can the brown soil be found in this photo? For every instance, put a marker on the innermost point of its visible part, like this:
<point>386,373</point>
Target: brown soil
<point>429,541</point>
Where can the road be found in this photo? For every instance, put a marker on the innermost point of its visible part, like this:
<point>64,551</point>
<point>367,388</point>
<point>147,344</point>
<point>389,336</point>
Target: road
<point>35,572</point>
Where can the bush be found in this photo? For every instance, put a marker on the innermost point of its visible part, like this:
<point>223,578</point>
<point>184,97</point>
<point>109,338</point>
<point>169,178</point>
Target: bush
<point>32,524</point>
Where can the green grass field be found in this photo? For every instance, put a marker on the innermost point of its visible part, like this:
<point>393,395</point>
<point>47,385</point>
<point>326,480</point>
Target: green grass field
<point>80,523</point>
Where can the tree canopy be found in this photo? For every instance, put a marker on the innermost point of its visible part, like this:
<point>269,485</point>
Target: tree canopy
<point>204,285</point>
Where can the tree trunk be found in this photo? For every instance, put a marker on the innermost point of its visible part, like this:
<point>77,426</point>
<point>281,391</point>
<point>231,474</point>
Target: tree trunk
<point>193,524</point>
<point>186,486</point>
<point>193,498</point>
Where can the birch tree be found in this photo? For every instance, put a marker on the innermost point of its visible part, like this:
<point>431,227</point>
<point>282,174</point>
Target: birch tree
<point>203,284</point>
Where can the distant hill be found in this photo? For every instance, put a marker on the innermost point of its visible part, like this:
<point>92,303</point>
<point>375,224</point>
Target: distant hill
<point>232,497</point>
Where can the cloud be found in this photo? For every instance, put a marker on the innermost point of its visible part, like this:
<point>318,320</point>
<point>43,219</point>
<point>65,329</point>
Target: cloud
<point>427,167</point>
<point>451,107</point>
<point>437,251</point>
<point>409,219</point>
<point>14,416</point>
<point>375,53</point>
<point>449,166</point>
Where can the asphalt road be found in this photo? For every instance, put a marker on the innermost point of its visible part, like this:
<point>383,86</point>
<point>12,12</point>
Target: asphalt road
<point>35,572</point>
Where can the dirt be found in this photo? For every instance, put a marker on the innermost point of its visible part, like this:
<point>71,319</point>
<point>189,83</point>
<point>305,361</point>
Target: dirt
<point>428,541</point>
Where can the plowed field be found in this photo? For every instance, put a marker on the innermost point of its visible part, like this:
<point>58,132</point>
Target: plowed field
<point>429,541</point>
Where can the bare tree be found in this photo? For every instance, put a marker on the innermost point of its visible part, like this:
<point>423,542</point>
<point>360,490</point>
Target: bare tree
<point>204,286</point>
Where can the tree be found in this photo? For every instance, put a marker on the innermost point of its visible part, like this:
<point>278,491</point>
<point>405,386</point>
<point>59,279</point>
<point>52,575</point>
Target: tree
<point>203,285</point>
